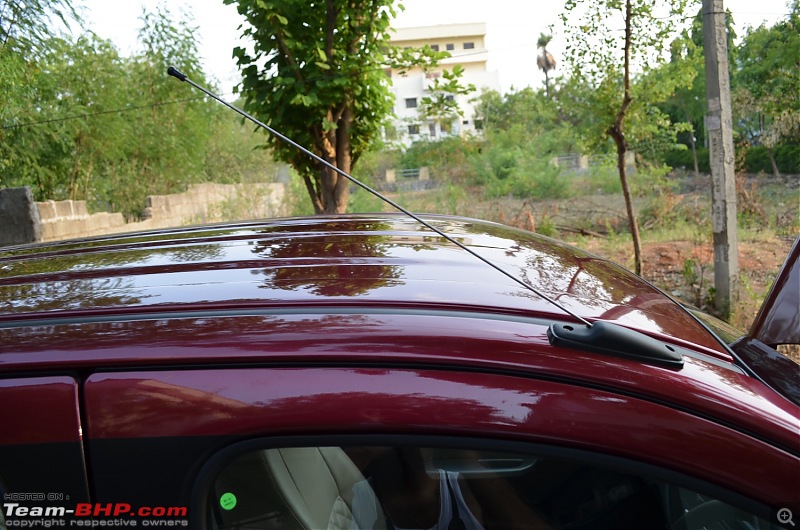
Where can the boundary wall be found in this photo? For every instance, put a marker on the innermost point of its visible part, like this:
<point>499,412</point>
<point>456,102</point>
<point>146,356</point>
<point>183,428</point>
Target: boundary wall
<point>201,203</point>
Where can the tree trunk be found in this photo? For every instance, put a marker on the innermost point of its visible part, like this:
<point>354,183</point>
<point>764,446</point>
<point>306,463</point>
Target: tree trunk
<point>619,140</point>
<point>775,170</point>
<point>693,142</point>
<point>547,84</point>
<point>616,132</point>
<point>316,198</point>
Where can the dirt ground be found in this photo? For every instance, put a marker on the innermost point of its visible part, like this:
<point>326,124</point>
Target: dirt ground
<point>680,264</point>
<point>759,263</point>
<point>684,269</point>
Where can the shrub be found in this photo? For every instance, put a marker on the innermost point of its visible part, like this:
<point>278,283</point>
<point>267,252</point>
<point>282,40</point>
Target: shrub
<point>682,159</point>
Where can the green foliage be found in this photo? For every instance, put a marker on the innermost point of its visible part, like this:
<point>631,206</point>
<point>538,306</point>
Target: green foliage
<point>523,131</point>
<point>316,73</point>
<point>787,157</point>
<point>753,159</point>
<point>603,178</point>
<point>511,172</point>
<point>596,56</point>
<point>27,25</point>
<point>768,79</point>
<point>681,158</point>
<point>442,105</point>
<point>447,159</point>
<point>85,123</point>
<point>375,162</point>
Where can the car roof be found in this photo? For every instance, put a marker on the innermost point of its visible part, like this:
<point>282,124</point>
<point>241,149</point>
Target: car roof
<point>377,260</point>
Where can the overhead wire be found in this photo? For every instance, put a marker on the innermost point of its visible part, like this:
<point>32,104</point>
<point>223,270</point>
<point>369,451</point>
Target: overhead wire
<point>171,102</point>
<point>103,112</point>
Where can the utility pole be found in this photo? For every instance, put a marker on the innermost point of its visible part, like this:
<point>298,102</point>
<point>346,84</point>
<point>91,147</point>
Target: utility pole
<point>719,128</point>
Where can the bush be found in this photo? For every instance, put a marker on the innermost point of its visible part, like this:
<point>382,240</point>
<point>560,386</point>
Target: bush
<point>529,178</point>
<point>447,159</point>
<point>755,159</point>
<point>787,157</point>
<point>682,158</point>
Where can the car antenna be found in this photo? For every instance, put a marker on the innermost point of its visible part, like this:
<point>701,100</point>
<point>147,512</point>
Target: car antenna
<point>602,337</point>
<point>174,72</point>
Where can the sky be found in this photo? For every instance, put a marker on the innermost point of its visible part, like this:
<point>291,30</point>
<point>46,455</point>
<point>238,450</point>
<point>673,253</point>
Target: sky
<point>513,26</point>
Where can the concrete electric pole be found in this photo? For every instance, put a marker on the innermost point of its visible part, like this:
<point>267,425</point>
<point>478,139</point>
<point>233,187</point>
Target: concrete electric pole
<point>719,125</point>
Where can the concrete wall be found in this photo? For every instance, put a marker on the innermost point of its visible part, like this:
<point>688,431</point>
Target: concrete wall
<point>202,203</point>
<point>19,217</point>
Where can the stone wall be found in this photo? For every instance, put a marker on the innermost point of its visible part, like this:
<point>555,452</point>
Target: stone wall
<point>19,217</point>
<point>202,203</point>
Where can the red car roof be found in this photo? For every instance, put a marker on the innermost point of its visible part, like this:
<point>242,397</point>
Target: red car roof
<point>381,260</point>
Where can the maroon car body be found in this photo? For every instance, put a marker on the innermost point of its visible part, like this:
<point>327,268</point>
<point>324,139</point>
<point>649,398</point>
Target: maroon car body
<point>128,363</point>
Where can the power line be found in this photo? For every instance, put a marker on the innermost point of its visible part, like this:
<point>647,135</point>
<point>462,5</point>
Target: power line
<point>103,112</point>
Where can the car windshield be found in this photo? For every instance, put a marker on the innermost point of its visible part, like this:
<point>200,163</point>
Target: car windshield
<point>728,333</point>
<point>770,365</point>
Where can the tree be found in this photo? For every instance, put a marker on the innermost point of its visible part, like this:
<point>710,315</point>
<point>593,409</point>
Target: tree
<point>768,93</point>
<point>25,29</point>
<point>545,60</point>
<point>317,75</point>
<point>441,106</point>
<point>688,103</point>
<point>629,74</point>
<point>28,24</point>
<point>82,122</point>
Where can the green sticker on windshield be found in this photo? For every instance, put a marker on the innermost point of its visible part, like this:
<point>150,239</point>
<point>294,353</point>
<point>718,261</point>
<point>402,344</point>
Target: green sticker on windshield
<point>227,501</point>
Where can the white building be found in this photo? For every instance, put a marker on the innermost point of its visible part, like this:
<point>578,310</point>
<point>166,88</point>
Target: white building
<point>466,44</point>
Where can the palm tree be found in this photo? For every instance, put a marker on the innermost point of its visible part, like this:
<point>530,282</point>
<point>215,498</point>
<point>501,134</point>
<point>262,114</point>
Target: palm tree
<point>545,60</point>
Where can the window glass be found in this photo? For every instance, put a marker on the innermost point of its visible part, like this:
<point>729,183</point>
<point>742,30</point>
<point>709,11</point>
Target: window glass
<point>411,103</point>
<point>403,487</point>
<point>450,47</point>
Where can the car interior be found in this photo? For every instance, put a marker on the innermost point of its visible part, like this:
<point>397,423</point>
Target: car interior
<point>309,488</point>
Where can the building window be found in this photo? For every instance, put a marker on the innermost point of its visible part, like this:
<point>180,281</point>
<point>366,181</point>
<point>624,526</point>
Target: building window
<point>432,129</point>
<point>469,45</point>
<point>435,47</point>
<point>413,129</point>
<point>451,47</point>
<point>411,103</point>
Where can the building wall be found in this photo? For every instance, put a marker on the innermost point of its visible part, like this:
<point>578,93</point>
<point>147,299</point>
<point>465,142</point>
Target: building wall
<point>468,50</point>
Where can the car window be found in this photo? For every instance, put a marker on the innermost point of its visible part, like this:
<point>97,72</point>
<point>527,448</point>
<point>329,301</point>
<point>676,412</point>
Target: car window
<point>403,487</point>
<point>2,517</point>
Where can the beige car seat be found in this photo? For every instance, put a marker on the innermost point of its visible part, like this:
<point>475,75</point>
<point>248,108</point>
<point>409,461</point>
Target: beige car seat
<point>297,488</point>
<point>316,484</point>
